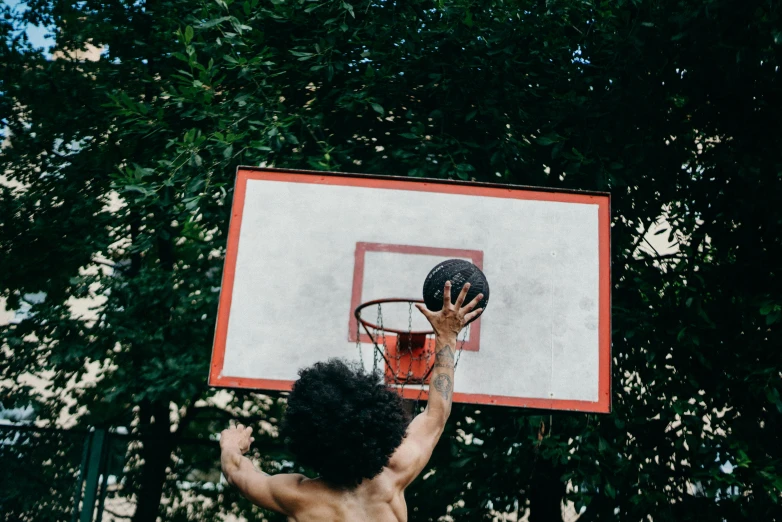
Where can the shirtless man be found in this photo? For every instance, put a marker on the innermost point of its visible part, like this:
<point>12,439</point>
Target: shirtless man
<point>354,432</point>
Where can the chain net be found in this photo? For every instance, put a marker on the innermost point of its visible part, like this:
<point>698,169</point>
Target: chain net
<point>408,357</point>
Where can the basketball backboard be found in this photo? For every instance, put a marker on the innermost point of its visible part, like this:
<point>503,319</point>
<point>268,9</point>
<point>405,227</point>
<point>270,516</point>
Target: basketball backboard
<point>306,248</point>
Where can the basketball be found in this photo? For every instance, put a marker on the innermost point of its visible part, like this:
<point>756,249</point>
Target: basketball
<point>459,272</point>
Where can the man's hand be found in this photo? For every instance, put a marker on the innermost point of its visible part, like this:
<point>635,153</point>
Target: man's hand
<point>234,442</point>
<point>237,437</point>
<point>450,320</point>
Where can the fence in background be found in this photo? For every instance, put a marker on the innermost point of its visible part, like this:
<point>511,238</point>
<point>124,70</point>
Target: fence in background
<point>93,476</point>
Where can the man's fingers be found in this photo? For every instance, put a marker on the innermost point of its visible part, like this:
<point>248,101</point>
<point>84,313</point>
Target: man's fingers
<point>462,296</point>
<point>472,304</point>
<point>249,430</point>
<point>423,309</point>
<point>475,313</point>
<point>447,295</point>
<point>239,426</point>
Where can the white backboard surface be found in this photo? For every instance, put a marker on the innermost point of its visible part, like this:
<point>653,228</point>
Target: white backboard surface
<point>305,249</point>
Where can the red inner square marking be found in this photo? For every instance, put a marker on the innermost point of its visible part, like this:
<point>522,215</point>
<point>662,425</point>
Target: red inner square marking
<point>476,256</point>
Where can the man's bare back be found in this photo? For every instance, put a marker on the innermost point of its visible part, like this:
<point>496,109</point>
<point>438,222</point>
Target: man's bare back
<point>377,499</point>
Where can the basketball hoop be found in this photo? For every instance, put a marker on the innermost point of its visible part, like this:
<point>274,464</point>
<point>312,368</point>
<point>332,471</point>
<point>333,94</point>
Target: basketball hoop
<point>379,302</point>
<point>408,353</point>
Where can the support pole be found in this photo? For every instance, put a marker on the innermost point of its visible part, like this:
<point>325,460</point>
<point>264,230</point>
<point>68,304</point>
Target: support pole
<point>93,474</point>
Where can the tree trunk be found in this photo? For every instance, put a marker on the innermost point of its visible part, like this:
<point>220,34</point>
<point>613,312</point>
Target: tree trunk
<point>156,453</point>
<point>546,493</point>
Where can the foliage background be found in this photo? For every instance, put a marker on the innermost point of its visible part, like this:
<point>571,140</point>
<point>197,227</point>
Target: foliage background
<point>117,182</point>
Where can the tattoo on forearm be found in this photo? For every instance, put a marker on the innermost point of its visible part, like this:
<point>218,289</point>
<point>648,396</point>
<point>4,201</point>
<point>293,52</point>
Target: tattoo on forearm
<point>444,358</point>
<point>443,384</point>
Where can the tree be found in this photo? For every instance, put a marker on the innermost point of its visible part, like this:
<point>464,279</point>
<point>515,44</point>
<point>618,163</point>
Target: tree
<point>118,187</point>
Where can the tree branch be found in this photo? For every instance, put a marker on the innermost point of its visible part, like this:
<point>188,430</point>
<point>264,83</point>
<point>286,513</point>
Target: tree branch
<point>657,257</point>
<point>117,515</point>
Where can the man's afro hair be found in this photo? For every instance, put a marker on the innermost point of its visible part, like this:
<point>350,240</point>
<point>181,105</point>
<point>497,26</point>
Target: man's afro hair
<point>343,422</point>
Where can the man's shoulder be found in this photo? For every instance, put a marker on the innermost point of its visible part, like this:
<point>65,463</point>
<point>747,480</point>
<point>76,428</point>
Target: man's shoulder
<point>303,494</point>
<point>383,485</point>
<point>403,459</point>
<point>289,488</point>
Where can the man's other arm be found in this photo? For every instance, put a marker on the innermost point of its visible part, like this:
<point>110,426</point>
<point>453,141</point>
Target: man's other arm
<point>275,492</point>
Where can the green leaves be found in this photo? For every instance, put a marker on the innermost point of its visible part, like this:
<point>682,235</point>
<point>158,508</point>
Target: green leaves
<point>773,396</point>
<point>546,140</point>
<point>214,22</point>
<point>302,55</point>
<point>772,312</point>
<point>467,20</point>
<point>463,170</point>
<point>130,159</point>
<point>378,108</point>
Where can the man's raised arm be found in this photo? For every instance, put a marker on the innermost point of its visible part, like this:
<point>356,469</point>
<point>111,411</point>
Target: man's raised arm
<point>426,429</point>
<point>441,381</point>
